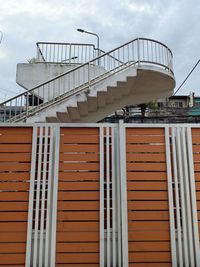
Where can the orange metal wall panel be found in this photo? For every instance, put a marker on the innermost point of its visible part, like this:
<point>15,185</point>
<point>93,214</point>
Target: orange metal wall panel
<point>15,165</point>
<point>148,210</point>
<point>77,240</point>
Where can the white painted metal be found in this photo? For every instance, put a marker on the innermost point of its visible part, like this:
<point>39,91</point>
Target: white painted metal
<point>101,140</point>
<point>177,202</point>
<point>193,197</point>
<point>108,196</point>
<point>43,185</point>
<point>31,198</point>
<point>118,202</point>
<point>113,183</point>
<point>182,194</point>
<point>37,207</point>
<point>56,152</point>
<point>170,197</point>
<point>187,197</point>
<point>49,201</point>
<point>124,209</point>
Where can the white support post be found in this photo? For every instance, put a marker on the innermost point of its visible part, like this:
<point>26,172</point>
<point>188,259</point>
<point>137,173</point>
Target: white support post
<point>101,140</point>
<point>55,194</point>
<point>31,198</point>
<point>177,202</point>
<point>37,208</point>
<point>108,194</point>
<point>124,209</point>
<point>170,198</point>
<point>187,198</point>
<point>42,213</point>
<point>182,197</point>
<point>114,217</point>
<point>49,201</point>
<point>193,197</point>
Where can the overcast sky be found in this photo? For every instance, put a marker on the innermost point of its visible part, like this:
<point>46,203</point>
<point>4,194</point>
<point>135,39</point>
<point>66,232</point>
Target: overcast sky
<point>173,22</point>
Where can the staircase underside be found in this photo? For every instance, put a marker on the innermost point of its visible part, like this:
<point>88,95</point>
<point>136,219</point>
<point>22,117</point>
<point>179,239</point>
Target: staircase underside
<point>143,85</point>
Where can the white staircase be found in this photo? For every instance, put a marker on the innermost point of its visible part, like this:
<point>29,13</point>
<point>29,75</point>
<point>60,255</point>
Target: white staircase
<point>136,72</point>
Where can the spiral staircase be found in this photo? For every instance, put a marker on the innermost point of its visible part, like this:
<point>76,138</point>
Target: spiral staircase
<point>91,85</point>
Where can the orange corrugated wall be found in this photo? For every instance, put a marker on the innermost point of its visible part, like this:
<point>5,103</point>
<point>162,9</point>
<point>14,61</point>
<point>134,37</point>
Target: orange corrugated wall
<point>15,165</point>
<point>77,242</point>
<point>148,210</point>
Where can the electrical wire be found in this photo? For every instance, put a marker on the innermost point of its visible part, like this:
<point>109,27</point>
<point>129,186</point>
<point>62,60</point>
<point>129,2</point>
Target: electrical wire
<point>187,77</point>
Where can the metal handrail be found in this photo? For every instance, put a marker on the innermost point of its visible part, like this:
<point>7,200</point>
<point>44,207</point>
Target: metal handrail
<point>138,51</point>
<point>53,52</point>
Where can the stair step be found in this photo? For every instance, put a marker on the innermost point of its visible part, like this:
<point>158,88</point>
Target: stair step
<point>83,108</point>
<point>63,116</point>
<point>92,103</point>
<point>52,119</point>
<point>73,113</point>
<point>101,99</point>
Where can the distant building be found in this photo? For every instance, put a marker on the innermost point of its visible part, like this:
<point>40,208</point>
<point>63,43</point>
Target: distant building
<point>175,109</point>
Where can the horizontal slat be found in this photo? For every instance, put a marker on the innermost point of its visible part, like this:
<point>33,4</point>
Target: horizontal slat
<point>150,257</point>
<point>16,130</point>
<point>15,157</point>
<point>12,226</point>
<point>21,186</point>
<point>77,258</point>
<point>79,148</point>
<point>78,216</point>
<point>12,248</point>
<point>148,215</point>
<point>197,167</point>
<point>195,139</point>
<point>146,166</point>
<point>79,186</point>
<point>149,246</point>
<point>79,131</point>
<point>12,259</point>
<point>76,237</point>
<point>79,139</point>
<point>15,139</point>
<point>196,157</point>
<point>145,148</point>
<point>79,176</point>
<point>13,206</point>
<point>147,195</point>
<point>153,157</point>
<point>197,176</point>
<point>78,205</point>
<point>77,247</point>
<point>196,148</point>
<point>7,148</point>
<point>79,166</point>
<point>86,195</point>
<point>146,185</point>
<point>140,139</point>
<point>14,196</point>
<point>151,176</point>
<point>15,237</point>
<point>75,265</point>
<point>93,157</point>
<point>148,235</point>
<point>148,205</point>
<point>145,131</point>
<point>13,216</point>
<point>148,225</point>
<point>15,166</point>
<point>78,226</point>
<point>15,176</point>
<point>151,264</point>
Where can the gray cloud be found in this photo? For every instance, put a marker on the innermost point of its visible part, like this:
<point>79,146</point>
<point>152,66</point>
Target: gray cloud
<point>175,23</point>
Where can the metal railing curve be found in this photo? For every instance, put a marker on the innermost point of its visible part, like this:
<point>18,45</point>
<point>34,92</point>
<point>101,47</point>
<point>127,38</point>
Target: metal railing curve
<point>138,52</point>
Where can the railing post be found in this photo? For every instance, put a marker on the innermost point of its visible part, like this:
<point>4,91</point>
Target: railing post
<point>26,96</point>
<point>89,75</point>
<point>138,50</point>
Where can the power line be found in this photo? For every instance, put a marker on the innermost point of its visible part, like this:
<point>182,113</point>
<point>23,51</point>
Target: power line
<point>187,76</point>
